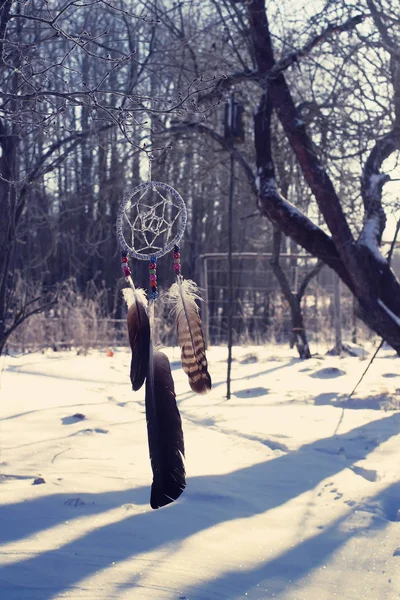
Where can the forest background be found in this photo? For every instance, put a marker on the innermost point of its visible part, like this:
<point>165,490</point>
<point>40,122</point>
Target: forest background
<point>93,92</point>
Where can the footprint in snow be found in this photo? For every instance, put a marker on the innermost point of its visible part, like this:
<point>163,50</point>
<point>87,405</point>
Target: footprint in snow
<point>328,373</point>
<point>338,494</point>
<point>249,359</point>
<point>88,431</point>
<point>73,419</point>
<point>251,393</point>
<point>75,502</point>
<point>332,491</point>
<point>95,430</point>
<point>38,481</point>
<point>350,503</point>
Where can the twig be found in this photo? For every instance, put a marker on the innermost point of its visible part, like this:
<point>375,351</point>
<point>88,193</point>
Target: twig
<point>58,454</point>
<point>368,366</point>
<point>393,244</point>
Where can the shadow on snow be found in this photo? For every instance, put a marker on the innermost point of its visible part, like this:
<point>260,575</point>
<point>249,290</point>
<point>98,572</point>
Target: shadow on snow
<point>208,501</point>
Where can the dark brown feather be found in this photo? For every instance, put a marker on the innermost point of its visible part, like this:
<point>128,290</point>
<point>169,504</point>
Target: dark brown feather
<point>139,339</point>
<point>164,428</point>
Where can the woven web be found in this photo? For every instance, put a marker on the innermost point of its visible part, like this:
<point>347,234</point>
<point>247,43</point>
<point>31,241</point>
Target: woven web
<point>152,220</point>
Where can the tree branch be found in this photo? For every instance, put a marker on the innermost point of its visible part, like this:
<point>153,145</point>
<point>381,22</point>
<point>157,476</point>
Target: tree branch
<point>5,8</point>
<point>296,55</point>
<point>281,99</point>
<point>389,44</point>
<point>23,316</point>
<point>372,182</point>
<point>281,212</point>
<point>227,82</point>
<point>310,275</point>
<point>298,335</point>
<point>200,128</point>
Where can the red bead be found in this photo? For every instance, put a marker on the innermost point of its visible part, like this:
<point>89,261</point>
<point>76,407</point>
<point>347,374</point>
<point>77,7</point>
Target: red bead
<point>124,259</point>
<point>177,254</point>
<point>127,271</point>
<point>177,268</point>
<point>152,265</point>
<point>153,277</point>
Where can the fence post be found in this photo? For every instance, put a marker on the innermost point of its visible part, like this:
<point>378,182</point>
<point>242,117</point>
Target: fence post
<point>204,287</point>
<point>337,314</point>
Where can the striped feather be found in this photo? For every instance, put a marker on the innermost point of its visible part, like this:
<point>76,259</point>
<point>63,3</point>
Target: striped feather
<point>190,335</point>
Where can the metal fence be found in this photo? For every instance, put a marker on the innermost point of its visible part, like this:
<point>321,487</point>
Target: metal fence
<point>260,311</point>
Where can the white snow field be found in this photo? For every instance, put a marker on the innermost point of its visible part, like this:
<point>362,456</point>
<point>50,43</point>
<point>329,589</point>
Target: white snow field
<point>293,489</point>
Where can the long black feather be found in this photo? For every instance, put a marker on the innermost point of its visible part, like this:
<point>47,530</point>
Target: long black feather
<point>164,428</point>
<point>139,335</point>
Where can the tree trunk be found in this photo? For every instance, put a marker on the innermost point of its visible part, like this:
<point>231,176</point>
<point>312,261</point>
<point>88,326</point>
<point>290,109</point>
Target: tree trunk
<point>298,334</point>
<point>337,315</point>
<point>8,198</point>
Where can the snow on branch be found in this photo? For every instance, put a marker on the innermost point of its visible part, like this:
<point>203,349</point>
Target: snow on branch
<point>372,182</point>
<point>371,234</point>
<point>391,314</point>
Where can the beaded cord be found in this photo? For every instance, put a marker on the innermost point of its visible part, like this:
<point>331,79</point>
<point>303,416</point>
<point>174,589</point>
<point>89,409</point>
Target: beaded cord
<point>177,260</point>
<point>153,277</point>
<point>124,264</point>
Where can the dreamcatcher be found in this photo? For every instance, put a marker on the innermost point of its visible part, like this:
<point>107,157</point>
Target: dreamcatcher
<point>150,223</point>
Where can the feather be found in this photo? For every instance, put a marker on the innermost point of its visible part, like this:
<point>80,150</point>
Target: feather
<point>164,428</point>
<point>139,334</point>
<point>190,334</point>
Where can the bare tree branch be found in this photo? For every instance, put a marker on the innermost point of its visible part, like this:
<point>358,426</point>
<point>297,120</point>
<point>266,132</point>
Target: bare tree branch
<point>200,128</point>
<point>294,57</point>
<point>281,98</point>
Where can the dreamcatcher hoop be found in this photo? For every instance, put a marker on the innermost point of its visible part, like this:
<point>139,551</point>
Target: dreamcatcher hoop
<point>151,219</point>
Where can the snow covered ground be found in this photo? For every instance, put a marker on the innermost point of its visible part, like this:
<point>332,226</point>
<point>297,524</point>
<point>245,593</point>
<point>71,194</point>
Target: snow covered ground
<point>292,492</point>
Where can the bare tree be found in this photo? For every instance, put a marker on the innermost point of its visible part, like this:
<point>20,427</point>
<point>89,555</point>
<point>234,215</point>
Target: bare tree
<point>353,252</point>
<point>358,262</point>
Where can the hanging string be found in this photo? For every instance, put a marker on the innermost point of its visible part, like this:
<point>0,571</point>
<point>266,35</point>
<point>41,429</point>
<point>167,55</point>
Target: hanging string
<point>150,158</point>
